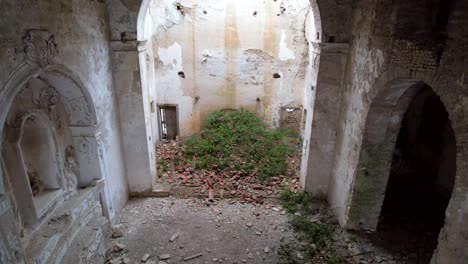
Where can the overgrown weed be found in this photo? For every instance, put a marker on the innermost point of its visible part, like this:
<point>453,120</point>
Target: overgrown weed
<point>314,228</point>
<point>240,140</point>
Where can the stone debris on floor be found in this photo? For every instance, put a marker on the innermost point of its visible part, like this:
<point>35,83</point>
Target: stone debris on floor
<point>187,181</point>
<point>171,230</point>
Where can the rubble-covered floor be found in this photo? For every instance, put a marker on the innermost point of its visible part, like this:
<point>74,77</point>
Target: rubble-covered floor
<point>184,180</point>
<point>227,232</point>
<point>174,230</point>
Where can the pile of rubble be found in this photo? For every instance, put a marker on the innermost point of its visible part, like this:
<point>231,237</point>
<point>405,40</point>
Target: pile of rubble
<point>176,170</point>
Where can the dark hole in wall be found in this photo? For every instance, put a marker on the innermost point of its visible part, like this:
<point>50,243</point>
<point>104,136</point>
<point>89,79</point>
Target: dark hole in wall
<point>423,18</point>
<point>181,74</point>
<point>421,178</point>
<point>441,16</point>
<point>276,76</point>
<point>128,36</point>
<point>181,9</point>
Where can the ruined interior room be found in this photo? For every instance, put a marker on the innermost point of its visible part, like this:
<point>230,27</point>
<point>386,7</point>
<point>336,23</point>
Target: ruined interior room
<point>229,131</point>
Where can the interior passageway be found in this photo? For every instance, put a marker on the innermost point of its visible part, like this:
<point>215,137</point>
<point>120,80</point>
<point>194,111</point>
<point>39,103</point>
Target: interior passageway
<point>421,179</point>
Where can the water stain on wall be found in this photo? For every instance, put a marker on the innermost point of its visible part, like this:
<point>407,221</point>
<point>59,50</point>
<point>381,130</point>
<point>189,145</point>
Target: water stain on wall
<point>231,43</point>
<point>270,47</point>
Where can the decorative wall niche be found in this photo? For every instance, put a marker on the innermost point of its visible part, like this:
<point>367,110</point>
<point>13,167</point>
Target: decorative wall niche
<point>50,142</point>
<point>50,135</point>
<point>40,159</point>
<point>34,162</point>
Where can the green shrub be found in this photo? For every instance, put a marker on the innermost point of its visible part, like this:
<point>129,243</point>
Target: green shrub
<point>240,139</point>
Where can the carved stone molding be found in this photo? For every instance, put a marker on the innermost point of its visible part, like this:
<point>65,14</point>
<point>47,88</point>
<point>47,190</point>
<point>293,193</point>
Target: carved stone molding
<point>47,101</point>
<point>40,46</point>
<point>71,169</point>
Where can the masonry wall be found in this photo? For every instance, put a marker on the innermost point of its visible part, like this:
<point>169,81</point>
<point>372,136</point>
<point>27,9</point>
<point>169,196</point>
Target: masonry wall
<point>382,52</point>
<point>214,55</point>
<point>80,29</point>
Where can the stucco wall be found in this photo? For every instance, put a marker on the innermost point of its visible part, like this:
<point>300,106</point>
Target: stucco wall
<point>80,29</point>
<point>229,52</point>
<point>133,94</point>
<point>128,20</point>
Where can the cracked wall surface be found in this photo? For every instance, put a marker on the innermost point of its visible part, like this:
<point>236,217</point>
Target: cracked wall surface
<point>214,55</point>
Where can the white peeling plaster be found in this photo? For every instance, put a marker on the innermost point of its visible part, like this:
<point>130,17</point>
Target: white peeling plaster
<point>172,56</point>
<point>284,52</point>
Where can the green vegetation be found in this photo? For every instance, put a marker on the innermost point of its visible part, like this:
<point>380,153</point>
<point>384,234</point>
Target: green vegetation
<point>239,140</point>
<point>314,228</point>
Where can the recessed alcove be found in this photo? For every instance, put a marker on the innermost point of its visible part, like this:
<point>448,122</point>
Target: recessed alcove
<point>40,159</point>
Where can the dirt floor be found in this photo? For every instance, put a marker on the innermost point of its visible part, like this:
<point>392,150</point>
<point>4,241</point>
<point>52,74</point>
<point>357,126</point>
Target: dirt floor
<point>175,230</point>
<point>227,232</point>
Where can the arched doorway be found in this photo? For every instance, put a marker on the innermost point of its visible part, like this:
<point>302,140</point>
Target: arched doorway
<point>421,178</point>
<point>196,59</point>
<point>406,170</point>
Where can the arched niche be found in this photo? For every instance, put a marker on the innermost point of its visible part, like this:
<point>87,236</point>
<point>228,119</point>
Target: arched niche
<point>35,165</point>
<point>39,153</point>
<point>57,102</point>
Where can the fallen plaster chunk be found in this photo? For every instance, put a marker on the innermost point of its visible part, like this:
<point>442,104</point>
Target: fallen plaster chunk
<point>173,237</point>
<point>193,257</point>
<point>116,261</point>
<point>117,231</point>
<point>145,257</point>
<point>119,247</point>
<point>164,257</point>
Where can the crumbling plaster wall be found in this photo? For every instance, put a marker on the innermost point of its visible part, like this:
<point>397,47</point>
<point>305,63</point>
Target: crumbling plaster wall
<point>233,54</point>
<point>379,55</point>
<point>80,29</point>
<point>332,21</point>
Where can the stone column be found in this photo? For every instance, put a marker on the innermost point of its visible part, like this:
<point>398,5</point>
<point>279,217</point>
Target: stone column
<point>315,177</point>
<point>134,108</point>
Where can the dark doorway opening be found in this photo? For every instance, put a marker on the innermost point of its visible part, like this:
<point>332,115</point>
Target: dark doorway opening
<point>421,179</point>
<point>168,122</point>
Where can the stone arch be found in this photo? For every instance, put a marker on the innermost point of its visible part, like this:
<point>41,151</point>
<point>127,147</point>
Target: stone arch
<point>147,65</point>
<point>57,75</point>
<point>380,134</point>
<point>452,238</point>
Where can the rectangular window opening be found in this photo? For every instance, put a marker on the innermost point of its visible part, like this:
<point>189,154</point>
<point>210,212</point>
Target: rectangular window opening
<point>168,122</point>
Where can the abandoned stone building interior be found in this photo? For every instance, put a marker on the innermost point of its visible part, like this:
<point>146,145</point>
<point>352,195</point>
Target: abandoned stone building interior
<point>376,90</point>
